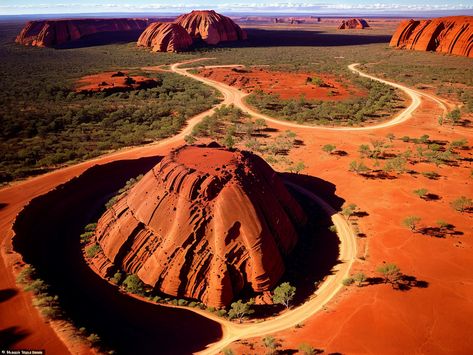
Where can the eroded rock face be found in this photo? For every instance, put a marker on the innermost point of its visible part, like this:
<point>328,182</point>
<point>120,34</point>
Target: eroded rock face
<point>210,27</point>
<point>51,33</point>
<point>165,37</point>
<point>452,35</point>
<point>202,224</point>
<point>354,23</point>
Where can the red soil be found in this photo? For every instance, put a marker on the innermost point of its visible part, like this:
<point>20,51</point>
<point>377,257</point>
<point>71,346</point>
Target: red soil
<point>286,85</point>
<point>371,320</point>
<point>204,223</point>
<point>377,319</point>
<point>113,82</point>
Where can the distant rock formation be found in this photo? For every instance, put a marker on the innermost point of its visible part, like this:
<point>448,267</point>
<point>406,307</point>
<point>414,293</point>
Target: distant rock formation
<point>203,223</point>
<point>452,35</point>
<point>52,33</point>
<point>211,27</point>
<point>354,23</point>
<point>165,37</point>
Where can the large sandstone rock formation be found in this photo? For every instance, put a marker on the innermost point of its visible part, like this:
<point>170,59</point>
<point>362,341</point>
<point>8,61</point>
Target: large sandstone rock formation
<point>52,33</point>
<point>445,34</point>
<point>203,223</point>
<point>165,37</point>
<point>354,23</point>
<point>211,27</point>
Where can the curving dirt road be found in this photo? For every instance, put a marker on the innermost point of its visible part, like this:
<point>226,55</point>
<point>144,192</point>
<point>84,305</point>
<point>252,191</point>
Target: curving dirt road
<point>237,99</point>
<point>328,289</point>
<point>20,313</point>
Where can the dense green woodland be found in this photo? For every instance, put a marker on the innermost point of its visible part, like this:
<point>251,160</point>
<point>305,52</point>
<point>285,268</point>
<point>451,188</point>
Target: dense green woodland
<point>44,125</point>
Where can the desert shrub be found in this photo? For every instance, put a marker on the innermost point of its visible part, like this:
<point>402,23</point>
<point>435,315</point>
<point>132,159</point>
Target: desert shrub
<point>92,250</point>
<point>133,284</point>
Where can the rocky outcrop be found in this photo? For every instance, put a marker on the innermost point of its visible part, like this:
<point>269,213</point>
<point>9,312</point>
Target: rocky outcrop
<point>165,37</point>
<point>211,27</point>
<point>354,23</point>
<point>53,33</point>
<point>452,35</point>
<point>203,223</point>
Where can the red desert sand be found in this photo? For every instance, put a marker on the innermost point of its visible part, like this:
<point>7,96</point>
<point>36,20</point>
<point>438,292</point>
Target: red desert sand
<point>165,37</point>
<point>203,223</point>
<point>453,35</point>
<point>287,85</point>
<point>50,33</point>
<point>211,27</point>
<point>114,82</point>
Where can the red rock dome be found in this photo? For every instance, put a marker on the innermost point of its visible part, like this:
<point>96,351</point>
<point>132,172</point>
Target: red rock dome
<point>452,34</point>
<point>165,37</point>
<point>354,23</point>
<point>211,27</point>
<point>50,33</point>
<point>202,224</point>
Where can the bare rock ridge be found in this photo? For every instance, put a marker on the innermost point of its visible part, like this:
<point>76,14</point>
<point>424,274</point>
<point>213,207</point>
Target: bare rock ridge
<point>452,35</point>
<point>51,33</point>
<point>165,37</point>
<point>211,27</point>
<point>354,23</point>
<point>203,223</point>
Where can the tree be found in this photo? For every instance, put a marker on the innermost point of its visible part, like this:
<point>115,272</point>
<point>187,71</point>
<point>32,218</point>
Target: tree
<point>364,150</point>
<point>228,141</point>
<point>299,166</point>
<point>117,278</point>
<point>260,124</point>
<point>284,293</point>
<point>271,344</point>
<point>390,136</point>
<point>462,204</point>
<point>359,278</point>
<point>227,351</point>
<point>190,139</point>
<point>358,167</point>
<point>240,310</point>
<point>454,115</point>
<point>422,193</point>
<point>391,273</point>
<point>348,281</point>
<point>411,222</point>
<point>307,349</point>
<point>349,210</point>
<point>133,284</point>
<point>329,148</point>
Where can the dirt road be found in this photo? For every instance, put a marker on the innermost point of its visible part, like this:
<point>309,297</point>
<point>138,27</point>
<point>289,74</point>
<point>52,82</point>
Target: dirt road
<point>22,320</point>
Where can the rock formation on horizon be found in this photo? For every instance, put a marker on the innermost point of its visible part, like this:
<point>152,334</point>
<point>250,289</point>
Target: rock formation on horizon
<point>52,33</point>
<point>203,224</point>
<point>211,27</point>
<point>165,37</point>
<point>353,23</point>
<point>452,35</point>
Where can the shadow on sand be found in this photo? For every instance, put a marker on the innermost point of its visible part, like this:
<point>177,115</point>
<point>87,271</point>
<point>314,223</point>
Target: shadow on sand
<point>11,335</point>
<point>47,235</point>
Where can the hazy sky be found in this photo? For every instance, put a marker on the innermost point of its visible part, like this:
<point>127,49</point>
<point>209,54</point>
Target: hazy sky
<point>8,7</point>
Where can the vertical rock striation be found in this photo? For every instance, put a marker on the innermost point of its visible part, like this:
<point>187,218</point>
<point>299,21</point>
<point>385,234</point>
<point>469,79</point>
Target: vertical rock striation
<point>204,223</point>
<point>453,35</point>
<point>165,37</point>
<point>211,27</point>
<point>52,33</point>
